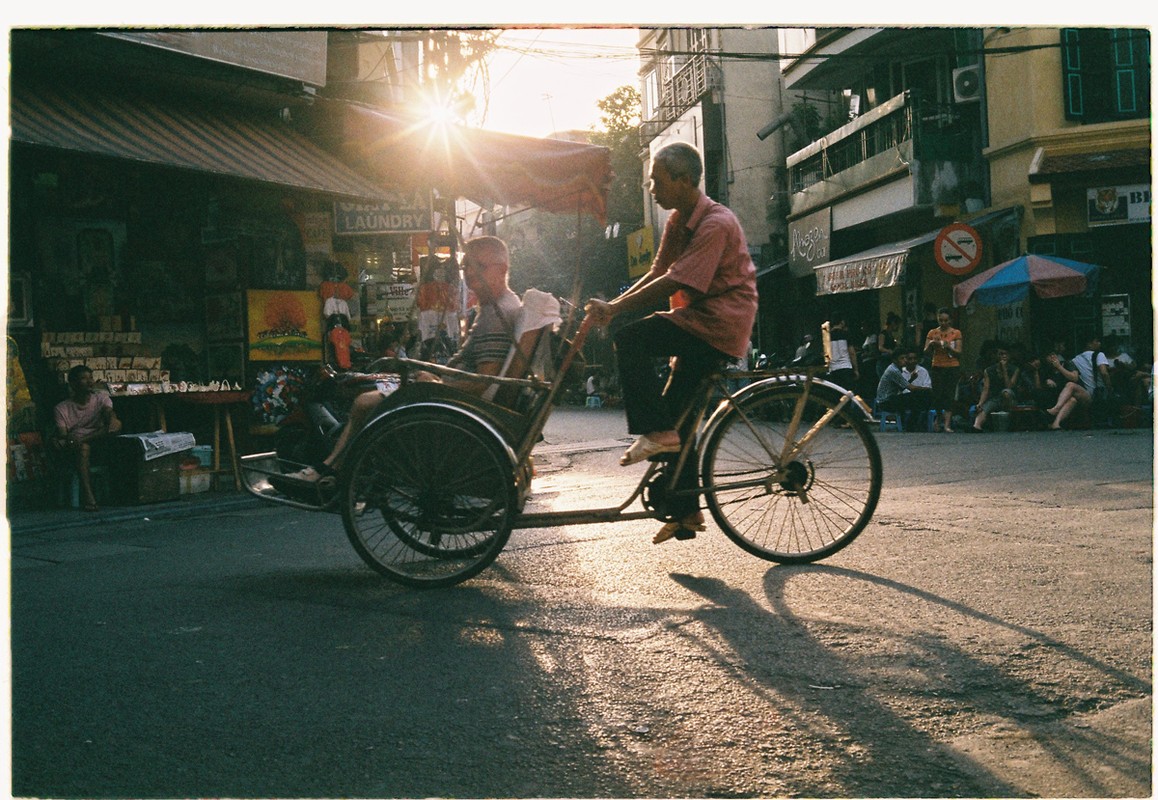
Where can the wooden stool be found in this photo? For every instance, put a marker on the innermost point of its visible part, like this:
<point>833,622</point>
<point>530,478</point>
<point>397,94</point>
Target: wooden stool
<point>220,402</point>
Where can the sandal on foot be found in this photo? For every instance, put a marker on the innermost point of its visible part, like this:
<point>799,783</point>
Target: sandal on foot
<point>91,507</point>
<point>644,448</point>
<point>310,474</point>
<point>677,530</point>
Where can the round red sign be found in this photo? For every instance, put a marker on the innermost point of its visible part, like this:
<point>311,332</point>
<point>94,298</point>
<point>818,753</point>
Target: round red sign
<point>957,249</point>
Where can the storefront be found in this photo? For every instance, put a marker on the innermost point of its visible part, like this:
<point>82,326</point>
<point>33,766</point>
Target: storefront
<point>913,277</point>
<point>176,248</point>
<point>1096,207</point>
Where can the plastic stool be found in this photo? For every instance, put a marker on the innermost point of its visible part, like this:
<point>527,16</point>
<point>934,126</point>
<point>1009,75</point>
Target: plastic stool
<point>593,401</point>
<point>931,422</point>
<point>890,420</point>
<point>98,477</point>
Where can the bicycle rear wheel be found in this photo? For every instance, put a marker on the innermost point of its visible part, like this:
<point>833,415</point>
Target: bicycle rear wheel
<point>814,504</point>
<point>428,497</point>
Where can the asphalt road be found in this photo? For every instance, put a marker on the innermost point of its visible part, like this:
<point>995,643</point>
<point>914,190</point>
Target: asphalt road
<point>990,634</point>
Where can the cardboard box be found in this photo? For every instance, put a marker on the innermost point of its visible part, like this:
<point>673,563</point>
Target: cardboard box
<point>195,481</point>
<point>135,480</point>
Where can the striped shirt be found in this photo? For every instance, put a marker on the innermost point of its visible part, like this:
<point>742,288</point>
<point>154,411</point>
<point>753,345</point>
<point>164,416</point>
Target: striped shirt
<point>492,334</point>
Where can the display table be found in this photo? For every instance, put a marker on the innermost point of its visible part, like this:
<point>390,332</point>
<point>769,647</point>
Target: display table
<point>151,398</point>
<point>220,402</point>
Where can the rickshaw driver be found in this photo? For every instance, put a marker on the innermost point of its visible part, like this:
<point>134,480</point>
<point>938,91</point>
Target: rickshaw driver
<point>485,266</point>
<point>704,269</point>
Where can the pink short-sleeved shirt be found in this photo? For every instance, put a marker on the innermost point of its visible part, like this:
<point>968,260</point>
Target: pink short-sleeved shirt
<point>709,254</point>
<point>81,421</point>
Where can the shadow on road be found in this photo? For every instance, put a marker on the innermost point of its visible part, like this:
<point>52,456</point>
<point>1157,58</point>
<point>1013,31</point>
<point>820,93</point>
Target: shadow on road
<point>877,719</point>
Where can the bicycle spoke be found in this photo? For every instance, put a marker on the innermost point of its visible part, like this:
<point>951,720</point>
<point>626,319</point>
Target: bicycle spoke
<point>428,500</point>
<point>808,507</point>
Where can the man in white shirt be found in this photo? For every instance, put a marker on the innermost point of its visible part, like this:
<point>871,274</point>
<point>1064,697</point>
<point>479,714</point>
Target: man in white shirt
<point>915,374</point>
<point>905,387</point>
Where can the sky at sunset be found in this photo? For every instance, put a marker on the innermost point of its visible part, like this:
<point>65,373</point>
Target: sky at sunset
<point>549,80</point>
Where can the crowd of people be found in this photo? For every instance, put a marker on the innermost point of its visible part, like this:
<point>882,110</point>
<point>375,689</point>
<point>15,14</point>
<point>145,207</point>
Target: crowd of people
<point>920,373</point>
<point>1050,390</point>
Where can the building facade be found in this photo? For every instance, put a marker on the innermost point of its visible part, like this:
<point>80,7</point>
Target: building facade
<point>1069,142</point>
<point>715,88</point>
<point>962,149</point>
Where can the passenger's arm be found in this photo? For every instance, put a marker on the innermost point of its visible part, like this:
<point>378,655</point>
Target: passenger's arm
<point>478,387</point>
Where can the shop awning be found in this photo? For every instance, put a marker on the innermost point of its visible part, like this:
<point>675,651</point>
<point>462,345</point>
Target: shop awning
<point>214,140</point>
<point>1048,164</point>
<point>877,268</point>
<point>884,266</point>
<point>483,166</point>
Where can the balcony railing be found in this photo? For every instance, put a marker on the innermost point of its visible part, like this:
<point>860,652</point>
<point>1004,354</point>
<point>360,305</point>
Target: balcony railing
<point>698,76</point>
<point>877,131</point>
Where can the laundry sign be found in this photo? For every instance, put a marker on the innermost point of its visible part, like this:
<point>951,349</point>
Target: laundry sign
<point>403,213</point>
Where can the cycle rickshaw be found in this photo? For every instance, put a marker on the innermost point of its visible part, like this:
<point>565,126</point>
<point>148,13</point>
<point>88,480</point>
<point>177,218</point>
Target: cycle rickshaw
<point>430,491</point>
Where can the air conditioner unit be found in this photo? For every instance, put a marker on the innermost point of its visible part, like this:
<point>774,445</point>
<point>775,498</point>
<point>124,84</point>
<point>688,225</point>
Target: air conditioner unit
<point>967,84</point>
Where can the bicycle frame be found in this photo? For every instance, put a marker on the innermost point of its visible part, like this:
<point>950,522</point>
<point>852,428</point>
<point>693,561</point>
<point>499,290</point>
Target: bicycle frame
<point>809,380</point>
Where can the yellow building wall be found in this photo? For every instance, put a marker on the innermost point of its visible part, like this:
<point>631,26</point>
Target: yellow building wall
<point>1026,114</point>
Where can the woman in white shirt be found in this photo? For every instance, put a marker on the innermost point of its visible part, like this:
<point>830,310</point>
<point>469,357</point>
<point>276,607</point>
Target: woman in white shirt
<point>842,369</point>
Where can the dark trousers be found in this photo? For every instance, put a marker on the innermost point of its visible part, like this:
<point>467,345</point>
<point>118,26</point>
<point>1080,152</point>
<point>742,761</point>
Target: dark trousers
<point>913,405</point>
<point>650,405</point>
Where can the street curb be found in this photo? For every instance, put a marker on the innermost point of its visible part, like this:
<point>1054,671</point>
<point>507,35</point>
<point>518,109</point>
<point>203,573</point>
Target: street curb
<point>74,518</point>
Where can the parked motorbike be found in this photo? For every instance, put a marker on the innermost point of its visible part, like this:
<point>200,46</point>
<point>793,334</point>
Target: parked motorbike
<point>309,433</point>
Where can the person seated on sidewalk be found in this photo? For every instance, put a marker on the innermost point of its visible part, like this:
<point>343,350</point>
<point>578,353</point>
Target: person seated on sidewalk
<point>1088,371</point>
<point>485,266</point>
<point>901,390</point>
<point>999,384</point>
<point>82,419</point>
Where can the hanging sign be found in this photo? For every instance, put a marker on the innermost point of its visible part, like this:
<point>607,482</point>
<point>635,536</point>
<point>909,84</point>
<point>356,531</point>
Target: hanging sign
<point>639,252</point>
<point>957,249</point>
<point>405,213</point>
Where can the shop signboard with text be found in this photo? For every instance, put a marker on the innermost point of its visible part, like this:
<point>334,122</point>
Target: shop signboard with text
<point>640,253</point>
<point>1118,205</point>
<point>809,241</point>
<point>403,213</point>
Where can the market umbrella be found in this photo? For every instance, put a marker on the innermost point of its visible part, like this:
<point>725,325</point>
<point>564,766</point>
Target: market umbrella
<point>1010,282</point>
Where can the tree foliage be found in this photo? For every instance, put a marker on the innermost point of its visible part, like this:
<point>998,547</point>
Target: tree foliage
<point>546,249</point>
<point>620,134</point>
<point>455,64</point>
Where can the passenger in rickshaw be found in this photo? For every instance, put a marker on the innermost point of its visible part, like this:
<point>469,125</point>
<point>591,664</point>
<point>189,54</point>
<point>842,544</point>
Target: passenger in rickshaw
<point>485,266</point>
<point>703,268</point>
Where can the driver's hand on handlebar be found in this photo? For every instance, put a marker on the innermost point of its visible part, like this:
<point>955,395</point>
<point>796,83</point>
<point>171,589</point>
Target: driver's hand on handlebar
<point>599,311</point>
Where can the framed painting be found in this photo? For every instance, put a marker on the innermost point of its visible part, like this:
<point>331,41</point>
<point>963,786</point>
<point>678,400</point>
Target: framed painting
<point>226,361</point>
<point>284,325</point>
<point>224,317</point>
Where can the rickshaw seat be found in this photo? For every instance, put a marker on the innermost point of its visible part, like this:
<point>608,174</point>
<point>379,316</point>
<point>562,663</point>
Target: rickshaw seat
<point>531,350</point>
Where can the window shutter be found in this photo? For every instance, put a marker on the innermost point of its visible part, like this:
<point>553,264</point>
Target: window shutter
<point>1124,76</point>
<point>1072,74</point>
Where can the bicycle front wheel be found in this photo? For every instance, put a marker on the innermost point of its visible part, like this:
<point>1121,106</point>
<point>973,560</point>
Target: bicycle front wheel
<point>428,498</point>
<point>811,505</point>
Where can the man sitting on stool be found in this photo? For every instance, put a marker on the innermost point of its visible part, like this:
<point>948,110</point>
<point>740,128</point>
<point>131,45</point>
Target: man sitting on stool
<point>82,419</point>
<point>898,392</point>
